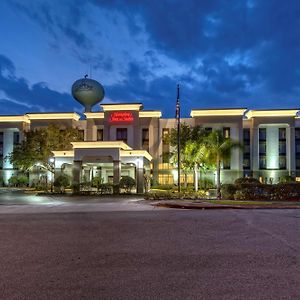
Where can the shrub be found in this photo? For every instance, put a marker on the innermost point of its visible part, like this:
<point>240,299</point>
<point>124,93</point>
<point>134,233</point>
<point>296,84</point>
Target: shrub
<point>13,180</point>
<point>18,180</point>
<point>1,181</point>
<point>206,184</point>
<point>245,181</point>
<point>127,183</point>
<point>255,192</point>
<point>105,188</point>
<point>61,182</point>
<point>163,187</point>
<point>287,191</point>
<point>287,178</point>
<point>23,180</point>
<point>97,182</point>
<point>228,191</point>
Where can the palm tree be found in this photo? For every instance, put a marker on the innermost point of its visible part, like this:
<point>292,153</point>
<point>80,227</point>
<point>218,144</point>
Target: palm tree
<point>191,149</point>
<point>217,150</point>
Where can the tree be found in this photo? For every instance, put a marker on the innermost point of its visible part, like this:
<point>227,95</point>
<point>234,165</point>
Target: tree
<point>217,150</point>
<point>61,182</point>
<point>38,144</point>
<point>191,149</point>
<point>127,183</point>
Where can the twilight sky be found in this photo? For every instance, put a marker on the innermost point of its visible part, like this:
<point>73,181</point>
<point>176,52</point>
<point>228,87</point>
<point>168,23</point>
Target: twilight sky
<point>224,53</point>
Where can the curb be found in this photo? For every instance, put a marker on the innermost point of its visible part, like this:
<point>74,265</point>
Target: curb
<point>216,206</point>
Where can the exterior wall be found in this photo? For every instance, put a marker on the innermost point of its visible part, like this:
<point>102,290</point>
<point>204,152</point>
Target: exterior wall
<point>156,125</point>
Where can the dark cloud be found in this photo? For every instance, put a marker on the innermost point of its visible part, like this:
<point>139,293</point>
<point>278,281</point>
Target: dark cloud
<point>225,53</point>
<point>65,20</point>
<point>38,97</point>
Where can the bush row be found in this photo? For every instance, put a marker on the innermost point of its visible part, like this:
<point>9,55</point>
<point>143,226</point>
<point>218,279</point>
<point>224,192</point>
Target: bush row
<point>289,191</point>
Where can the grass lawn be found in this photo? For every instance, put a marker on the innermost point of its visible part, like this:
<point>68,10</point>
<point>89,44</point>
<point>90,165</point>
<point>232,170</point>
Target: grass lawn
<point>234,202</point>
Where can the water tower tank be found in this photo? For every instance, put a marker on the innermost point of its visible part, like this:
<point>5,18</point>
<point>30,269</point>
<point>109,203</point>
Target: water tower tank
<point>87,92</point>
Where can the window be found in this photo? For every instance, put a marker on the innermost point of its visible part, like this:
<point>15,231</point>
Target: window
<point>246,148</point>
<point>282,162</point>
<point>246,163</point>
<point>208,129</point>
<point>297,133</point>
<point>226,165</point>
<point>165,133</point>
<point>165,179</point>
<point>246,134</point>
<point>16,138</point>
<point>99,134</point>
<point>262,162</point>
<point>282,134</point>
<point>81,134</point>
<point>297,162</point>
<point>282,147</point>
<point>226,132</point>
<point>122,134</point>
<point>145,139</point>
<point>166,157</point>
<point>262,148</point>
<point>262,134</point>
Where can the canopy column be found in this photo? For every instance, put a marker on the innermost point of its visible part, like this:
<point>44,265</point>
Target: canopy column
<point>117,175</point>
<point>76,174</point>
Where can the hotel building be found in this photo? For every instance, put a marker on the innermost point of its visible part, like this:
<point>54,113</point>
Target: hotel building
<point>124,139</point>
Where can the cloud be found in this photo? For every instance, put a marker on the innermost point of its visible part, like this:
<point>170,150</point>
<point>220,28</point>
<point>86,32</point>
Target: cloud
<point>242,54</point>
<point>39,97</point>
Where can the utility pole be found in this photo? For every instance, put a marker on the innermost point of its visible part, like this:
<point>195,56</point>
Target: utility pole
<point>178,136</point>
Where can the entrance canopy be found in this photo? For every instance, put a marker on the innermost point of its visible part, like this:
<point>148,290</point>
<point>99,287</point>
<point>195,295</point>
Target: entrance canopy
<point>101,151</point>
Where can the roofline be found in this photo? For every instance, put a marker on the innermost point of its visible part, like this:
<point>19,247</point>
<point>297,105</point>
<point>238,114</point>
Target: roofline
<point>122,106</point>
<point>218,112</point>
<point>272,113</point>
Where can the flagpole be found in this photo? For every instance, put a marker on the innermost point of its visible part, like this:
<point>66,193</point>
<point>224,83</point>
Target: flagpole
<point>178,136</point>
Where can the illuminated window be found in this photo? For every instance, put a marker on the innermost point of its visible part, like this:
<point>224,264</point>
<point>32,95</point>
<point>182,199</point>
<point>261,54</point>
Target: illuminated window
<point>165,179</point>
<point>99,134</point>
<point>165,134</point>
<point>122,134</point>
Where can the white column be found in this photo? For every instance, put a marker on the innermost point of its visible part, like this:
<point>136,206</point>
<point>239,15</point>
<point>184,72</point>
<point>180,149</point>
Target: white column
<point>8,146</point>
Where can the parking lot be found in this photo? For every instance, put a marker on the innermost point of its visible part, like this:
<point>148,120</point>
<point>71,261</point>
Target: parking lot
<point>92,250</point>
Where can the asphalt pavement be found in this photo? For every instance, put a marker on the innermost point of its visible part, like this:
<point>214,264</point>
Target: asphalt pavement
<point>148,253</point>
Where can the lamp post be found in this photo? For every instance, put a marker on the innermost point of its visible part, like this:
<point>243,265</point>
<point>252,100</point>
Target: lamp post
<point>178,137</point>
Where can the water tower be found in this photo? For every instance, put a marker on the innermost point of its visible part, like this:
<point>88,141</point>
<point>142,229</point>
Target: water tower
<point>87,92</point>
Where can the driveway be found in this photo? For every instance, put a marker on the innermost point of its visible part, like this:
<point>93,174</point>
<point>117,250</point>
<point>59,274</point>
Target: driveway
<point>16,201</point>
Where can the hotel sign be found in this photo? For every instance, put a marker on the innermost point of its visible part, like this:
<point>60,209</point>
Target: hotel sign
<point>118,117</point>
